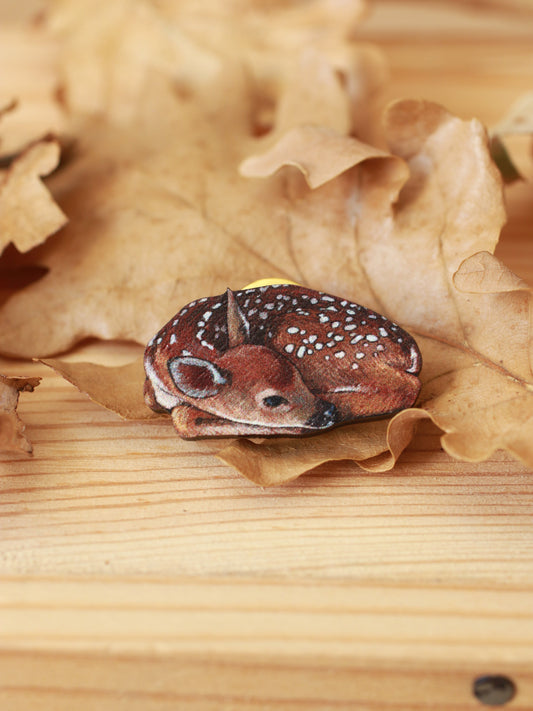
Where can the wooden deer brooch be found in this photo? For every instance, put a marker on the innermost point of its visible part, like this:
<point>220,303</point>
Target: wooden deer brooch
<point>278,360</point>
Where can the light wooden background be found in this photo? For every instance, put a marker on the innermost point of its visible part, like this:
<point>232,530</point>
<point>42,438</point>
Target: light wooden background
<point>137,572</point>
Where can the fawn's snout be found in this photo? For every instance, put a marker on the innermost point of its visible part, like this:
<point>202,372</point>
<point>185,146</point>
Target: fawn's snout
<point>325,415</point>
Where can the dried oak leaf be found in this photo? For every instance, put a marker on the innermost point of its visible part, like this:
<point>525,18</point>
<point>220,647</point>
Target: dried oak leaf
<point>476,346</point>
<point>117,388</point>
<point>12,437</point>
<point>519,118</point>
<point>159,215</point>
<point>489,402</point>
<point>110,50</point>
<point>28,57</point>
<point>518,121</point>
<point>28,212</point>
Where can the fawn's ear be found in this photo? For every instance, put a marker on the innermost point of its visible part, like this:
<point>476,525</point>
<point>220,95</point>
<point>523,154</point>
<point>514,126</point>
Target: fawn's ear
<point>196,377</point>
<point>238,326</point>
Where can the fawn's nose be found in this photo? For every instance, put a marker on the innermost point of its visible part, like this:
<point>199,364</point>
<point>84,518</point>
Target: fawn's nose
<point>325,415</point>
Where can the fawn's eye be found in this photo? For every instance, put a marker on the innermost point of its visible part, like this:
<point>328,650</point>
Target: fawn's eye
<point>274,401</point>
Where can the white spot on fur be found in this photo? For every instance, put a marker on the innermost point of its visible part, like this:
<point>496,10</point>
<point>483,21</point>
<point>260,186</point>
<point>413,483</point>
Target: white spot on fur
<point>349,388</point>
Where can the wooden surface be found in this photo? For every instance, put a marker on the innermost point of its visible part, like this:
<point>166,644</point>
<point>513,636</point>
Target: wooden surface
<point>137,572</point>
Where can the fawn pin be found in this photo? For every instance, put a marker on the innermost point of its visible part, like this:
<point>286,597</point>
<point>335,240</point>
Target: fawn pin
<point>278,360</point>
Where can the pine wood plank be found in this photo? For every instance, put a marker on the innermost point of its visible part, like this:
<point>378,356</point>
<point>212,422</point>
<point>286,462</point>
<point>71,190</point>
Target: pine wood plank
<point>250,644</point>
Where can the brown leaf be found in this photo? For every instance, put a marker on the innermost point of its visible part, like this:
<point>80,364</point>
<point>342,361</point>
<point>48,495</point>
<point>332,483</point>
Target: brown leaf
<point>12,437</point>
<point>110,51</point>
<point>156,220</point>
<point>118,388</point>
<point>475,371</point>
<point>319,153</point>
<point>519,118</point>
<point>28,213</point>
<point>28,56</point>
<point>374,446</point>
<point>488,404</point>
<point>518,121</point>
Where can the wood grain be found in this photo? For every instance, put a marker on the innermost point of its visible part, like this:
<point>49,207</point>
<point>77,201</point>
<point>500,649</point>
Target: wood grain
<point>138,572</point>
<point>254,644</point>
